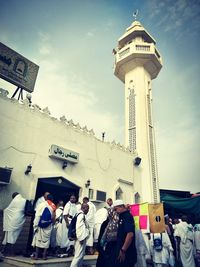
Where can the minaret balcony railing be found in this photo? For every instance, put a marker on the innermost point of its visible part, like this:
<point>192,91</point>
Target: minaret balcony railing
<point>124,52</point>
<point>135,48</point>
<point>143,47</point>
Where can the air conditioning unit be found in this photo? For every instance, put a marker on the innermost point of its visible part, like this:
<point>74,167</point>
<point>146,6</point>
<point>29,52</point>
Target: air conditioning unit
<point>97,196</point>
<point>5,175</point>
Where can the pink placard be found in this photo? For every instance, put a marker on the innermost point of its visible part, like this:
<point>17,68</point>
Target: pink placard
<point>143,222</point>
<point>135,209</point>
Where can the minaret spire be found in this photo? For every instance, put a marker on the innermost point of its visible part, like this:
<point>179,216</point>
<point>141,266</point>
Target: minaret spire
<point>135,14</point>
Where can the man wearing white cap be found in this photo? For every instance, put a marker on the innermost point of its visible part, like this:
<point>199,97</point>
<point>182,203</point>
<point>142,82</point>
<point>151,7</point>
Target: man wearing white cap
<point>126,251</point>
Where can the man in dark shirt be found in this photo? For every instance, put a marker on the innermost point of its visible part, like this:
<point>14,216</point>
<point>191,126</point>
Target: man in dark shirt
<point>126,255</point>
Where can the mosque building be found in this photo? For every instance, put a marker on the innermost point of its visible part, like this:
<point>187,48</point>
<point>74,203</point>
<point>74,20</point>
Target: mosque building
<point>41,153</point>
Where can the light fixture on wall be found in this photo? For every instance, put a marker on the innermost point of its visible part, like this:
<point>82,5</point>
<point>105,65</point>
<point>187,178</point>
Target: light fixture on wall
<point>103,136</point>
<point>87,184</point>
<point>28,169</point>
<point>137,161</point>
<point>65,163</point>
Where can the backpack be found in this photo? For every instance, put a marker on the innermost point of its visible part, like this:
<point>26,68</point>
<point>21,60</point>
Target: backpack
<point>72,228</point>
<point>29,209</point>
<point>157,243</point>
<point>45,218</point>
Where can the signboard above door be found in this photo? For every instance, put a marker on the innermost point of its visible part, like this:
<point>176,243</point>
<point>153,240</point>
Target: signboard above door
<point>63,154</point>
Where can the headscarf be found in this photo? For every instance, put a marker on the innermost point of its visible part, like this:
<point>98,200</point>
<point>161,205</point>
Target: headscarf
<point>51,204</point>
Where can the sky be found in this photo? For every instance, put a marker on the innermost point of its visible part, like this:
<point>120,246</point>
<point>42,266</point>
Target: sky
<point>72,42</point>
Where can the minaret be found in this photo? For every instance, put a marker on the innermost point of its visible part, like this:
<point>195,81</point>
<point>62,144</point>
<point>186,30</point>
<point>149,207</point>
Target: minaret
<point>137,62</point>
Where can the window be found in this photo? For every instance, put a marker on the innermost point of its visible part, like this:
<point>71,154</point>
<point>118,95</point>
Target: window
<point>137,198</point>
<point>91,194</point>
<point>132,121</point>
<point>101,195</point>
<point>119,193</point>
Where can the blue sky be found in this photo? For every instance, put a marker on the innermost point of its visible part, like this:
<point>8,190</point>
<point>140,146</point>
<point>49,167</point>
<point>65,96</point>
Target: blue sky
<point>72,42</point>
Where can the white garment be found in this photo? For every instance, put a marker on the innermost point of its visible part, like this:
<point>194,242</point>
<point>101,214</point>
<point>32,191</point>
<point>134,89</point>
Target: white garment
<point>147,242</point>
<point>142,251</point>
<point>41,236</point>
<point>90,239</point>
<point>56,234</point>
<point>13,219</point>
<point>100,216</point>
<point>79,254</point>
<point>78,207</point>
<point>58,225</point>
<point>82,233</point>
<point>39,201</point>
<point>90,217</point>
<point>69,209</point>
<point>185,232</point>
<point>11,237</point>
<point>197,236</point>
<point>161,257</point>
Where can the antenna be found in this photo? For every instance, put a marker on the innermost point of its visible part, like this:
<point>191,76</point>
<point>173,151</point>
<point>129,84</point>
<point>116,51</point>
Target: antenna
<point>135,14</point>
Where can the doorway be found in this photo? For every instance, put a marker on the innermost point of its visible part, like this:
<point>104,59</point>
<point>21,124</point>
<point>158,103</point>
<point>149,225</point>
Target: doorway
<point>59,187</point>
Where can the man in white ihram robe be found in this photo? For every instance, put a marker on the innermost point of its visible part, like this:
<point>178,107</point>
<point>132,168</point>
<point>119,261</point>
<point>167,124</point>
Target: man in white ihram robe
<point>197,243</point>
<point>90,220</point>
<point>100,216</point>
<point>69,212</point>
<point>161,258</point>
<point>142,250</point>
<point>184,232</point>
<point>59,219</point>
<point>42,236</point>
<point>82,233</point>
<point>41,200</point>
<point>13,219</point>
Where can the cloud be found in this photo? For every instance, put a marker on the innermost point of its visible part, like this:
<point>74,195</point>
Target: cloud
<point>90,34</point>
<point>72,95</point>
<point>44,37</point>
<point>178,151</point>
<point>44,49</point>
<point>44,45</point>
<point>172,15</point>
<point>109,25</point>
<point>10,39</point>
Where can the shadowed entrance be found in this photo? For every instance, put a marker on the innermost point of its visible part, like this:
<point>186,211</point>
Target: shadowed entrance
<point>59,187</point>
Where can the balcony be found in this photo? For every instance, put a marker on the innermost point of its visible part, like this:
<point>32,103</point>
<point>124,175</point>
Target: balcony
<point>137,49</point>
<point>134,54</point>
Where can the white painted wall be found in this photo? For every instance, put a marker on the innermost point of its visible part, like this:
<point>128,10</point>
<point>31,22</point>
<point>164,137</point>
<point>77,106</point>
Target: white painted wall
<point>26,135</point>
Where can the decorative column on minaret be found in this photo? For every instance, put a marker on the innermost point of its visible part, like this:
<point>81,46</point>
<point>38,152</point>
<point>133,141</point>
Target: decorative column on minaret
<point>137,62</point>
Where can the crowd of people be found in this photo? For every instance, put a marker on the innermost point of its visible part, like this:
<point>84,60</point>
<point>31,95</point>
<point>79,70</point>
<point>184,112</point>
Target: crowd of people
<point>108,232</point>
